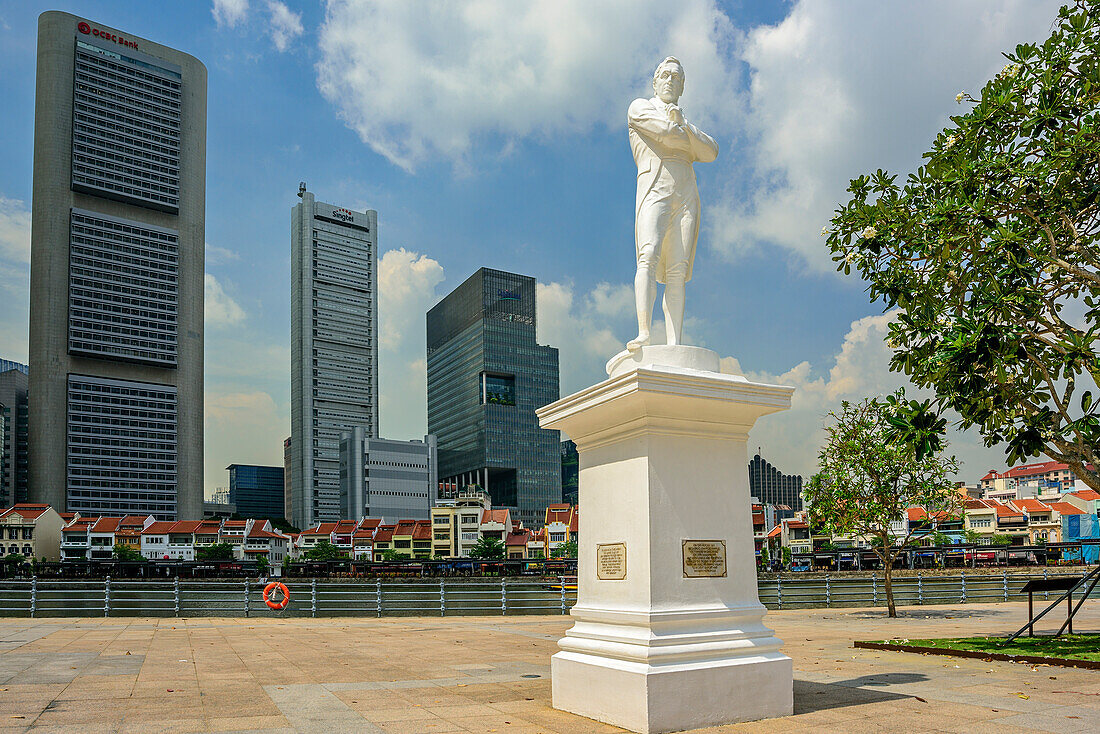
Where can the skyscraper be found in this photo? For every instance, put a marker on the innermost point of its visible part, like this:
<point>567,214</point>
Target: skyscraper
<point>117,263</point>
<point>773,487</point>
<point>486,377</point>
<point>13,432</point>
<point>334,349</point>
<point>256,491</point>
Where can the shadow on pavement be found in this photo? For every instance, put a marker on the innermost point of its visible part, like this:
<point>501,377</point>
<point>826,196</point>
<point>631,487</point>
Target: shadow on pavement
<point>809,696</point>
<point>932,614</point>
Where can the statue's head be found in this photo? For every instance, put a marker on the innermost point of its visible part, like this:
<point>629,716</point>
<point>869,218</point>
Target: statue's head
<point>668,80</point>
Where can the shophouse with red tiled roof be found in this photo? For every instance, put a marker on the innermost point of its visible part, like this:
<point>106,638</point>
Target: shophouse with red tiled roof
<point>31,530</point>
<point>556,528</point>
<point>422,539</point>
<point>101,537</point>
<point>496,524</point>
<point>383,541</point>
<point>233,532</point>
<point>1084,499</point>
<point>75,540</point>
<point>1043,523</point>
<point>207,533</point>
<point>515,545</point>
<point>403,537</point>
<point>1042,474</point>
<point>263,540</point>
<point>342,534</point>
<point>154,540</point>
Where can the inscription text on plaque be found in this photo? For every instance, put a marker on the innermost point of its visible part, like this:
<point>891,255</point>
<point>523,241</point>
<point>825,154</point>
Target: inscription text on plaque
<point>611,561</point>
<point>704,559</point>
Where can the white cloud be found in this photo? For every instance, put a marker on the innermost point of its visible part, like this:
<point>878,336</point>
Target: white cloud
<point>15,256</point>
<point>285,25</point>
<point>791,440</point>
<point>416,80</point>
<point>15,231</point>
<point>842,88</point>
<point>221,309</point>
<point>215,254</point>
<point>406,290</point>
<point>245,427</point>
<point>229,13</point>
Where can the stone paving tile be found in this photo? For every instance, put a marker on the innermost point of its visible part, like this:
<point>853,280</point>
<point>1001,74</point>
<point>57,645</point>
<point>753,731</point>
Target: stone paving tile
<point>468,675</point>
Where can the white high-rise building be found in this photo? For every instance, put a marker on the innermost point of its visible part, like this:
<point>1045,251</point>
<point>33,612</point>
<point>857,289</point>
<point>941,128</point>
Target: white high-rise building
<point>334,348</point>
<point>387,479</point>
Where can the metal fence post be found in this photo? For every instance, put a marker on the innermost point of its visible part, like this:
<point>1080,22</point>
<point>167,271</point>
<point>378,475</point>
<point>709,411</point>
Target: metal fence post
<point>962,578</point>
<point>561,580</point>
<point>779,591</point>
<point>1004,577</point>
<point>34,595</point>
<point>503,597</point>
<point>1046,594</point>
<point>920,587</point>
<point>106,596</point>
<point>828,595</point>
<point>176,596</point>
<point>378,596</point>
<point>247,609</point>
<point>442,599</point>
<point>313,597</point>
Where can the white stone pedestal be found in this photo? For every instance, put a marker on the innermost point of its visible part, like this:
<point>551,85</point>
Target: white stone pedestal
<point>665,638</point>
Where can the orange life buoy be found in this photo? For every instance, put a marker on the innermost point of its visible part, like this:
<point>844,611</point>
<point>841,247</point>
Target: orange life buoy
<point>276,605</point>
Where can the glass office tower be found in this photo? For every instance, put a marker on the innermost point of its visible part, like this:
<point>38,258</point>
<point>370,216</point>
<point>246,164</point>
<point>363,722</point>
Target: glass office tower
<point>486,377</point>
<point>773,487</point>
<point>256,491</point>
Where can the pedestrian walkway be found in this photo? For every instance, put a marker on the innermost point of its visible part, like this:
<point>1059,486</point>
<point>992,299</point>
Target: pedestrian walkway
<point>479,674</point>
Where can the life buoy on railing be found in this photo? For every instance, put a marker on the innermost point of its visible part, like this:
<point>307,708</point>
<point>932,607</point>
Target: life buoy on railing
<point>268,596</point>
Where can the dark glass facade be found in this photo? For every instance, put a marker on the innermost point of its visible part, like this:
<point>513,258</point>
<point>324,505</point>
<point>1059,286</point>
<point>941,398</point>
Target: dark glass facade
<point>257,491</point>
<point>773,487</point>
<point>570,473</point>
<point>486,377</point>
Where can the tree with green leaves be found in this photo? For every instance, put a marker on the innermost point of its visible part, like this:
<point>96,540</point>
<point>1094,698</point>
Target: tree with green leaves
<point>990,253</point>
<point>262,564</point>
<point>785,556</point>
<point>323,550</point>
<point>488,549</point>
<point>216,552</point>
<point>567,549</point>
<point>868,477</point>
<point>971,536</point>
<point>940,538</point>
<point>126,552</point>
<point>1000,539</point>
<point>389,555</point>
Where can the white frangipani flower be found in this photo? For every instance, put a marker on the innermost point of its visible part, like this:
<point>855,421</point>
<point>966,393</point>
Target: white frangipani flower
<point>960,96</point>
<point>951,140</point>
<point>869,233</point>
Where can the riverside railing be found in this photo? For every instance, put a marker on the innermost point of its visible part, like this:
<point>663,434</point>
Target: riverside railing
<point>451,597</point>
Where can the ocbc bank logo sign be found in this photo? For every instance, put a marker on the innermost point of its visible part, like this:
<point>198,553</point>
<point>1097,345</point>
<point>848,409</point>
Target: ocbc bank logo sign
<point>87,30</point>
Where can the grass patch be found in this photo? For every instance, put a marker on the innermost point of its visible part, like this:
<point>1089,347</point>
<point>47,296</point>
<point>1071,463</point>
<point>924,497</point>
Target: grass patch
<point>1069,647</point>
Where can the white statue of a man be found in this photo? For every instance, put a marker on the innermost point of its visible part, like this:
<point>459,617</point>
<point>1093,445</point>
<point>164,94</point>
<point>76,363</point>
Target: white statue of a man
<point>666,222</point>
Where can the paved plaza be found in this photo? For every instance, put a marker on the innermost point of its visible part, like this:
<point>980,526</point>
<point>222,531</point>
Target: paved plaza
<point>491,674</point>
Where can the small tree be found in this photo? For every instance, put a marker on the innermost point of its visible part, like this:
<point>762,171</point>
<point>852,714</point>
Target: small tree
<point>488,549</point>
<point>216,552</point>
<point>971,536</point>
<point>868,478</point>
<point>1000,539</point>
<point>324,551</point>
<point>991,253</point>
<point>126,552</point>
<point>565,550</point>
<point>785,554</point>
<point>389,555</point>
<point>940,539</point>
<point>262,564</point>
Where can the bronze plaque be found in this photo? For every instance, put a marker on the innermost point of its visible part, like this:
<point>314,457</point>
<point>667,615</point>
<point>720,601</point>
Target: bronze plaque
<point>704,559</point>
<point>611,561</point>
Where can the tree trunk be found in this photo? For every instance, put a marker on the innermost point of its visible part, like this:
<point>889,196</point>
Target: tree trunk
<point>888,579</point>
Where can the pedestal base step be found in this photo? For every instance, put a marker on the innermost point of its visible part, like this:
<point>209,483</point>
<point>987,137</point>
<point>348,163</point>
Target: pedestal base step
<point>652,700</point>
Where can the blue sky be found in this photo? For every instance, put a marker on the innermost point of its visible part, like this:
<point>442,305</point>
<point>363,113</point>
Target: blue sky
<point>493,133</point>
